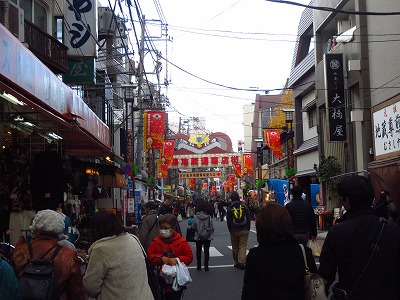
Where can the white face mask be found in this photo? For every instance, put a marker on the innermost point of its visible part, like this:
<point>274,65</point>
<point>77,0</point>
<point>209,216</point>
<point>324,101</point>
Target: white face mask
<point>165,233</point>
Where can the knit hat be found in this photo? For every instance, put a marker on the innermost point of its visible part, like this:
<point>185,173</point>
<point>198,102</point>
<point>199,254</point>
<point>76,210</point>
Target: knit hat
<point>48,221</point>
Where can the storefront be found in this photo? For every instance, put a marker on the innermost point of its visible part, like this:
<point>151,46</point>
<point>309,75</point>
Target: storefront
<point>44,123</point>
<point>385,169</point>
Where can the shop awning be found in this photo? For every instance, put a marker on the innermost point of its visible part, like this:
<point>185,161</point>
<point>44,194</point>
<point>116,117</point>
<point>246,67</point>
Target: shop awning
<point>50,105</point>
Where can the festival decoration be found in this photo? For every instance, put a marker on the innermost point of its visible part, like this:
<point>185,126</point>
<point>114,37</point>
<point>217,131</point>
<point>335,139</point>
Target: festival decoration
<point>272,138</point>
<point>154,129</point>
<point>247,163</point>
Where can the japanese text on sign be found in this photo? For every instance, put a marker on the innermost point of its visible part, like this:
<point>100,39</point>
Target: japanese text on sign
<point>199,175</point>
<point>387,129</point>
<point>335,97</point>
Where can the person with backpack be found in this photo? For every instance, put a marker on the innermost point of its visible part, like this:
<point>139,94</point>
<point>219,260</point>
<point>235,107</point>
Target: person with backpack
<point>204,231</point>
<point>148,228</point>
<point>238,220</point>
<point>116,267</point>
<point>63,279</point>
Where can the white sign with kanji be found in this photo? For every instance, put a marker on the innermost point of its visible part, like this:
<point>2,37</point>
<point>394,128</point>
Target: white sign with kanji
<point>387,129</point>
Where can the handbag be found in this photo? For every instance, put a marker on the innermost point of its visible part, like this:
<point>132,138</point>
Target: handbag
<point>341,294</point>
<point>314,284</point>
<point>190,232</point>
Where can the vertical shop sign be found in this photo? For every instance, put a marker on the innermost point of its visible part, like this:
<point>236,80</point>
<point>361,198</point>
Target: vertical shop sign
<point>138,206</point>
<point>387,130</point>
<point>82,32</point>
<point>334,82</point>
<point>154,129</point>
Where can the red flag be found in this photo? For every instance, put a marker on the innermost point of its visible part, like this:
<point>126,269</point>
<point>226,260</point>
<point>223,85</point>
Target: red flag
<point>247,163</point>
<point>154,129</point>
<point>237,168</point>
<point>273,140</point>
<point>166,157</point>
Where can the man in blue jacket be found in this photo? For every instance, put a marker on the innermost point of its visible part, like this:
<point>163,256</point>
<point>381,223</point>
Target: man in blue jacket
<point>303,217</point>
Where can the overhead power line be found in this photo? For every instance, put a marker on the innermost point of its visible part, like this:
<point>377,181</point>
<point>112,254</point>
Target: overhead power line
<point>330,9</point>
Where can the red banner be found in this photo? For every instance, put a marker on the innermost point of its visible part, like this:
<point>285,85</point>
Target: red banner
<point>191,183</point>
<point>166,158</point>
<point>237,168</point>
<point>204,160</point>
<point>214,160</point>
<point>154,129</point>
<point>235,159</point>
<point>247,163</point>
<point>272,138</point>
<point>232,178</point>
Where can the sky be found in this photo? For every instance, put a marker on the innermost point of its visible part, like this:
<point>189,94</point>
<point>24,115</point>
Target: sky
<point>239,44</point>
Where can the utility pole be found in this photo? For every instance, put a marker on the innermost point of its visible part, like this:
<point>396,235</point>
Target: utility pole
<point>139,145</point>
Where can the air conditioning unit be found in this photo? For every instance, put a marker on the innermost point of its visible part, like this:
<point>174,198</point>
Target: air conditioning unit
<point>106,21</point>
<point>12,17</point>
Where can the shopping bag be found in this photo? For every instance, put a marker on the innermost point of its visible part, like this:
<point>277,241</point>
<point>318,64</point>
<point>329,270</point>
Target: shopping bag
<point>315,248</point>
<point>182,274</point>
<point>190,232</point>
<point>168,273</point>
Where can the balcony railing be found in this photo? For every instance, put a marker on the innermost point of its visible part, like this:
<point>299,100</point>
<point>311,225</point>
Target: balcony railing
<point>47,48</point>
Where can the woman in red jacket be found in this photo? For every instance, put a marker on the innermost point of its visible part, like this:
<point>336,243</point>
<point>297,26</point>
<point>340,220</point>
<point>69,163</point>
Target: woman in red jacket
<point>168,246</point>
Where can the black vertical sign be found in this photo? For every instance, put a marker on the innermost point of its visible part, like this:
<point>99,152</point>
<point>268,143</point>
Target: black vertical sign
<point>334,82</point>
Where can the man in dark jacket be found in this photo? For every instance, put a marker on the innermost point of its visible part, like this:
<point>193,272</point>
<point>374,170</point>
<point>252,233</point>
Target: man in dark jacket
<point>349,244</point>
<point>381,207</point>
<point>303,217</point>
<point>148,228</point>
<point>239,231</point>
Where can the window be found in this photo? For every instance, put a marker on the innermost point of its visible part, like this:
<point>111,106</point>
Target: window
<point>312,117</point>
<point>35,13</point>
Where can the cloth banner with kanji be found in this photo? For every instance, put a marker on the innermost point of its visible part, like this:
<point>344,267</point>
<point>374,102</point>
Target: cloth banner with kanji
<point>247,163</point>
<point>237,168</point>
<point>154,129</point>
<point>166,158</point>
<point>273,140</point>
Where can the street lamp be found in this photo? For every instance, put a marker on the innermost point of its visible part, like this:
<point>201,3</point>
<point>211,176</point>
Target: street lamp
<point>289,147</point>
<point>259,144</point>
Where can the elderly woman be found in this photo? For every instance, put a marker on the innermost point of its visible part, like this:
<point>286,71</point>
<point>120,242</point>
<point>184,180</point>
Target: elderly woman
<point>116,268</point>
<point>46,226</point>
<point>275,269</point>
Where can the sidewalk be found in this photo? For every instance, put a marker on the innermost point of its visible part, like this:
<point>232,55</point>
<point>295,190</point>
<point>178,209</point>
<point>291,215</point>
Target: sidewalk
<point>321,235</point>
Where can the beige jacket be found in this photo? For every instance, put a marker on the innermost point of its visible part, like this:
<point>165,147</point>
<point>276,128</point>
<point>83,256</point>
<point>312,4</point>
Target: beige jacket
<point>117,270</point>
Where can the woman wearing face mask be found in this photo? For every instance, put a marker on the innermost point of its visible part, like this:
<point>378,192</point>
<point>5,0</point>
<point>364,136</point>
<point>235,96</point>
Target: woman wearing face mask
<point>168,246</point>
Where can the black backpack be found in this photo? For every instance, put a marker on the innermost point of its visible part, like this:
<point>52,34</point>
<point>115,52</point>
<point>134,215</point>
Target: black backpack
<point>206,231</point>
<point>37,280</point>
<point>239,215</point>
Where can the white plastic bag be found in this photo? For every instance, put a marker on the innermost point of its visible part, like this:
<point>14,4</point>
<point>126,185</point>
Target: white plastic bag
<point>182,274</point>
<point>168,273</point>
<point>315,248</point>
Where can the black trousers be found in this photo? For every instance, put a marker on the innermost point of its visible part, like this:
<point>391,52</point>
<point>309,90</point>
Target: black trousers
<point>199,247</point>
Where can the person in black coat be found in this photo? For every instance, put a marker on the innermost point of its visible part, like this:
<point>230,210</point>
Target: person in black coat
<point>275,269</point>
<point>381,207</point>
<point>303,217</point>
<point>348,247</point>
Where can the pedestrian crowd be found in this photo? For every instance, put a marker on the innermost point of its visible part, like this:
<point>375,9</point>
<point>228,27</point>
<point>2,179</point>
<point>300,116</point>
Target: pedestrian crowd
<point>360,257</point>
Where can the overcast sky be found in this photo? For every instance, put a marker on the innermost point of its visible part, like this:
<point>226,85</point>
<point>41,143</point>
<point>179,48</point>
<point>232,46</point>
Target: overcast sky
<point>240,44</point>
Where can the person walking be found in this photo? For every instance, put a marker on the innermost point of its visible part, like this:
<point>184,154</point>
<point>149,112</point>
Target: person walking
<point>275,269</point>
<point>46,226</point>
<point>381,207</point>
<point>9,286</point>
<point>202,220</point>
<point>166,248</point>
<point>303,217</point>
<point>116,267</point>
<point>361,248</point>
<point>148,228</point>
<point>238,221</point>
<point>221,209</point>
